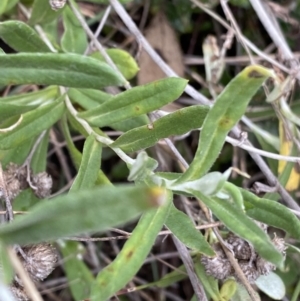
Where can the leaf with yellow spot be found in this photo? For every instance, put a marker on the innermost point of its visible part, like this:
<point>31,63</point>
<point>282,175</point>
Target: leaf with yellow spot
<point>119,272</point>
<point>229,107</point>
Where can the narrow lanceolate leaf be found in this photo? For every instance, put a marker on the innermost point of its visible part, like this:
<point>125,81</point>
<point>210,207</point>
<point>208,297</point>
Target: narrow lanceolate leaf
<point>272,213</point>
<point>89,99</point>
<point>37,98</point>
<point>79,276</point>
<point>183,228</point>
<point>79,212</point>
<point>74,38</point>
<point>76,154</point>
<point>17,154</point>
<point>39,159</point>
<point>177,123</point>
<point>239,223</point>
<point>33,123</point>
<point>21,37</point>
<point>123,60</point>
<point>230,105</point>
<point>90,164</point>
<point>135,102</point>
<point>69,70</point>
<point>133,254</point>
<point>8,110</point>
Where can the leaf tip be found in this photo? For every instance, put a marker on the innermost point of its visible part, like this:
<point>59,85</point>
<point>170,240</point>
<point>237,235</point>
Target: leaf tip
<point>257,71</point>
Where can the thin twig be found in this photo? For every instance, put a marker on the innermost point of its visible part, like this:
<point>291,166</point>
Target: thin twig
<point>189,265</point>
<point>237,268</point>
<point>14,212</point>
<point>230,60</point>
<point>267,18</point>
<point>98,44</point>
<point>4,194</point>
<point>27,282</point>
<point>237,30</point>
<point>246,41</point>
<point>128,234</point>
<point>263,153</point>
<point>99,29</point>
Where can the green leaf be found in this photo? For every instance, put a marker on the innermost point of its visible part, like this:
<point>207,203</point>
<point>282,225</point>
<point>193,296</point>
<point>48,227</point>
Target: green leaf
<point>89,166</point>
<point>228,289</point>
<point>229,107</point>
<point>235,194</point>
<point>10,4</point>
<point>17,154</point>
<point>8,110</point>
<point>89,99</point>
<point>79,276</point>
<point>74,38</point>
<point>132,255</point>
<point>82,211</point>
<point>186,119</point>
<point>239,223</point>
<point>271,213</point>
<point>21,37</point>
<point>183,228</point>
<point>122,59</point>
<point>71,70</point>
<point>7,271</point>
<point>3,5</point>
<point>241,294</point>
<point>42,96</point>
<point>271,285</point>
<point>210,184</point>
<point>142,167</point>
<point>135,102</point>
<point>39,159</point>
<point>75,154</point>
<point>42,13</point>
<point>32,124</point>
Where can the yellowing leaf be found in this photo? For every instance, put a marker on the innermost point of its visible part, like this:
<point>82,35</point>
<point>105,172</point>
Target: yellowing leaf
<point>286,145</point>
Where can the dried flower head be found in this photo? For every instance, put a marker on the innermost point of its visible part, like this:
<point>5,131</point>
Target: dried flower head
<point>249,270</point>
<point>40,261</point>
<point>57,4</point>
<point>240,247</point>
<point>263,266</point>
<point>248,259</point>
<point>43,183</point>
<point>218,266</point>
<point>16,172</point>
<point>18,292</point>
<point>18,179</point>
<point>279,244</point>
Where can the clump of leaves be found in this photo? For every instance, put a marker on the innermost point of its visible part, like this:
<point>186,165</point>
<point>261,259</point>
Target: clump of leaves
<point>68,96</point>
